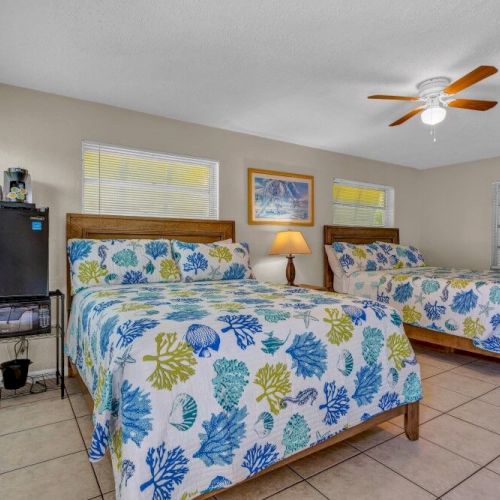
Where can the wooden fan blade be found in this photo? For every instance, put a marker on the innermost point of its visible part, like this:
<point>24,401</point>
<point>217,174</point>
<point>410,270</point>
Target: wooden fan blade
<point>475,104</point>
<point>393,97</point>
<point>480,73</point>
<point>409,115</point>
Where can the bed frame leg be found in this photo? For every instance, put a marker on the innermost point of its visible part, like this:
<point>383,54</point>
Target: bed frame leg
<point>412,421</point>
<point>71,369</point>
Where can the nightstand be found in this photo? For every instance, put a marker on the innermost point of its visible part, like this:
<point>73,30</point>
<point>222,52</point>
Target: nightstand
<point>312,287</point>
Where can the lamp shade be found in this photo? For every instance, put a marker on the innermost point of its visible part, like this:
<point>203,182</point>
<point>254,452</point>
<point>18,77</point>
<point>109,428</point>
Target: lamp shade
<point>289,243</point>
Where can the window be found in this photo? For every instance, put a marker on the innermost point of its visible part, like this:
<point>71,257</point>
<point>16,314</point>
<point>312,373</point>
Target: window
<point>125,181</point>
<point>495,252</point>
<point>362,204</point>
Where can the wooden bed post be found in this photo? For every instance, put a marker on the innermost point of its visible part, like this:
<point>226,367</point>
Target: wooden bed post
<point>412,421</point>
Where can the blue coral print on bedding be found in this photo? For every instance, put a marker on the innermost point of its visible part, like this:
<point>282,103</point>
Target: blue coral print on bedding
<point>376,256</point>
<point>113,262</point>
<point>402,255</point>
<point>187,406</point>
<point>212,261</point>
<point>456,301</point>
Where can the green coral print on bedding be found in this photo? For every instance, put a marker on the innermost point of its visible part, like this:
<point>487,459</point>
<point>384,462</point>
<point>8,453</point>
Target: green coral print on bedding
<point>341,328</point>
<point>90,271</point>
<point>275,383</point>
<point>169,269</point>
<point>399,348</point>
<point>221,254</point>
<point>174,361</point>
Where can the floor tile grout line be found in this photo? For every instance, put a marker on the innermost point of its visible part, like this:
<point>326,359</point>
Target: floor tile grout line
<point>470,401</point>
<point>24,403</point>
<point>450,370</point>
<point>314,488</point>
<point>36,427</point>
<point>461,393</point>
<point>330,466</point>
<point>42,462</point>
<point>91,463</point>
<point>472,423</point>
<point>461,404</point>
<point>401,475</point>
<point>467,478</point>
<point>286,487</point>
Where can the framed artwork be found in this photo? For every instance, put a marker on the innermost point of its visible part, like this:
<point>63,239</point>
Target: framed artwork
<point>280,198</point>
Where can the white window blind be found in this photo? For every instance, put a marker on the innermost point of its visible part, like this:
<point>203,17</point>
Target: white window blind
<point>362,204</point>
<point>125,181</point>
<point>495,253</point>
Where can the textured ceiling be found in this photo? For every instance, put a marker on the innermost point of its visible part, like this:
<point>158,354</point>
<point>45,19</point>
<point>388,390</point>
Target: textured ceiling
<point>294,70</point>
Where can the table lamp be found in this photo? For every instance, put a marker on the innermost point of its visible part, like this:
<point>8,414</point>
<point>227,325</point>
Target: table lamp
<point>289,243</point>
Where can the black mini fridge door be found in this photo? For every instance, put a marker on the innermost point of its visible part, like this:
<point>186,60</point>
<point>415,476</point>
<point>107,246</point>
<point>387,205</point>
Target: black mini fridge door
<point>24,252</point>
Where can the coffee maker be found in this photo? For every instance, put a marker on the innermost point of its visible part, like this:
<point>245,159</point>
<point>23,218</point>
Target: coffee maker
<point>16,186</point>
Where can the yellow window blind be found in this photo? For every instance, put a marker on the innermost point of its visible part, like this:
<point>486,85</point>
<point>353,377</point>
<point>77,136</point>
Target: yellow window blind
<point>125,181</point>
<point>362,204</point>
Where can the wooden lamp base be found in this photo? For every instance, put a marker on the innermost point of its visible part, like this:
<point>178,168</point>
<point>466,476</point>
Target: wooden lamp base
<point>290,270</point>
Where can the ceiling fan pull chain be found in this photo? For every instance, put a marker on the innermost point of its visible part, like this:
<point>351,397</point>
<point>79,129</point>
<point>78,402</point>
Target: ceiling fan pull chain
<point>433,133</point>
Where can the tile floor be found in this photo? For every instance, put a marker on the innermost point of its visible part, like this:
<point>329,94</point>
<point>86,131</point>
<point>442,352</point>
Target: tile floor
<point>456,458</point>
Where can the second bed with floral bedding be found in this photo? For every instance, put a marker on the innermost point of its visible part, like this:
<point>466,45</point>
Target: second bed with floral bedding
<point>455,301</point>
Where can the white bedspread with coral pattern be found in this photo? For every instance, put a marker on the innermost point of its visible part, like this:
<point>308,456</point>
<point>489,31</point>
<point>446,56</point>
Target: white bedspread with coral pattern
<point>456,301</point>
<point>198,386</point>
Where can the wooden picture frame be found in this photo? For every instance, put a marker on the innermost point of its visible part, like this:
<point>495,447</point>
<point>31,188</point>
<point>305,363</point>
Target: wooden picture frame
<point>296,200</point>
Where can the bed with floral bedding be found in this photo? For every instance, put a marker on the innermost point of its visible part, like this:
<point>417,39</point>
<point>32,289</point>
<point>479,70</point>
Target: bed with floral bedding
<point>198,386</point>
<point>454,301</point>
<point>461,304</point>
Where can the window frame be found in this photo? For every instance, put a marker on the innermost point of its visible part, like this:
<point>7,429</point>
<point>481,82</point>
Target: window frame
<point>390,200</point>
<point>173,156</point>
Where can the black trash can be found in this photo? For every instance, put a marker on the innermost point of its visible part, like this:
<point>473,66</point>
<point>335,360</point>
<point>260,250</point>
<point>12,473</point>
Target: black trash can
<point>15,373</point>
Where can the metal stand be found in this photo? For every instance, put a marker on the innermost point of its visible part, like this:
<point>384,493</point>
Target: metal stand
<point>58,330</point>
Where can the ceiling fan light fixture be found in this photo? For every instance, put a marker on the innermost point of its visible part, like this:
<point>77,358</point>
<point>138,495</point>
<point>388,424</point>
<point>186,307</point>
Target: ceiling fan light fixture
<point>433,115</point>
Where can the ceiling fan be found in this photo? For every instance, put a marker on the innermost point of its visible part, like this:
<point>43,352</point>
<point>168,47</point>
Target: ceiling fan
<point>437,94</point>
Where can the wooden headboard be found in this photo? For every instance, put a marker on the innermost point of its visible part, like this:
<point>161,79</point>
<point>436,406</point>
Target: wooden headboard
<point>356,235</point>
<point>100,227</point>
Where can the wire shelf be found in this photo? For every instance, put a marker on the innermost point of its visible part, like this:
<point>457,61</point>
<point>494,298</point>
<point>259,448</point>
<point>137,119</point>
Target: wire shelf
<point>32,336</point>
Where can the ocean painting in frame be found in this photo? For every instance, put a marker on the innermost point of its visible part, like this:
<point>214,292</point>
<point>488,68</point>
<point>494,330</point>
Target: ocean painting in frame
<point>280,198</point>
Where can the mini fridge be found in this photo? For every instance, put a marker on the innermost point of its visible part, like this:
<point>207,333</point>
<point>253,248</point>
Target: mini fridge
<point>24,251</point>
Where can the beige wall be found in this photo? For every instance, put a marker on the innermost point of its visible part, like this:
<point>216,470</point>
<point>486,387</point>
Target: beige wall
<point>445,210</point>
<point>43,133</point>
<point>456,214</point>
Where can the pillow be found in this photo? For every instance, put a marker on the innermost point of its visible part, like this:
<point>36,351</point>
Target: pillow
<point>406,256</point>
<point>212,261</point>
<point>360,257</point>
<point>113,262</point>
<point>333,261</point>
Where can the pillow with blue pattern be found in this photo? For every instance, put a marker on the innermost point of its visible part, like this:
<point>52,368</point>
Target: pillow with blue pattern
<point>361,257</point>
<point>212,261</point>
<point>114,262</point>
<point>406,256</point>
